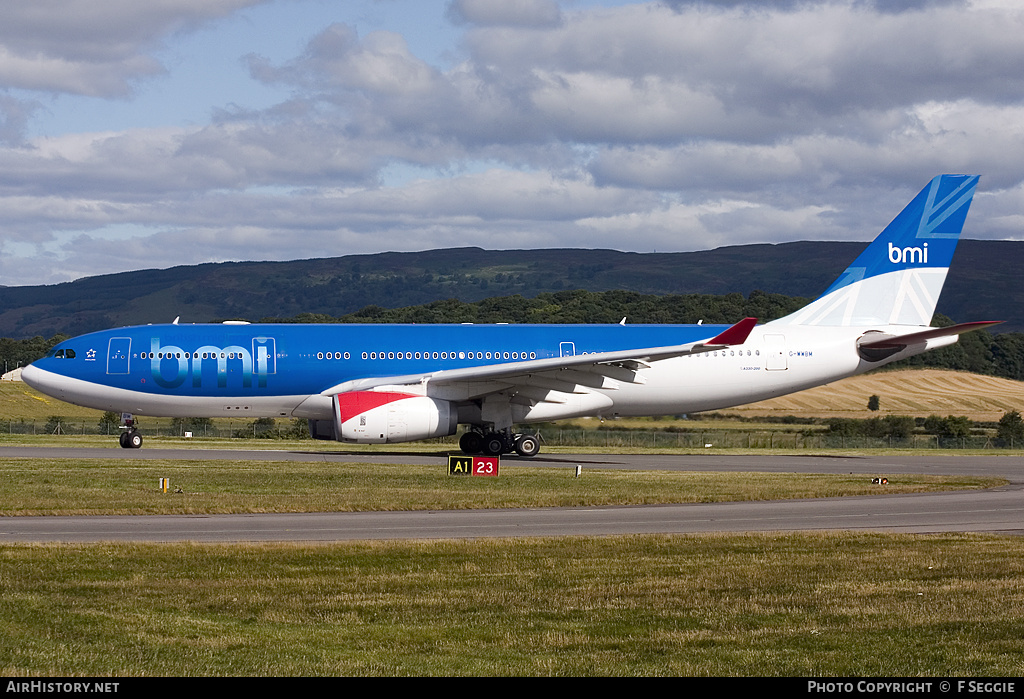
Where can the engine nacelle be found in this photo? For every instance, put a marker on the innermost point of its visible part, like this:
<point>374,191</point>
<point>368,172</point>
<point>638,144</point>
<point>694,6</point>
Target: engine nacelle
<point>380,417</point>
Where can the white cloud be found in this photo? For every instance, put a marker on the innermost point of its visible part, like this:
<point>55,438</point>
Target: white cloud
<point>94,48</point>
<point>642,126</point>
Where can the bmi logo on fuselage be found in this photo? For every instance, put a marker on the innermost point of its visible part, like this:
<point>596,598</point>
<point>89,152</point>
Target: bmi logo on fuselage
<point>908,255</point>
<point>171,365</point>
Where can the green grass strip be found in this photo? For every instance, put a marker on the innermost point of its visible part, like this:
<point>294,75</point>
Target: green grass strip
<point>750,605</point>
<point>115,486</point>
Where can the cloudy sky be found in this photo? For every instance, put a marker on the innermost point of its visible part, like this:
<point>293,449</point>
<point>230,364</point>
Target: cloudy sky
<point>150,134</point>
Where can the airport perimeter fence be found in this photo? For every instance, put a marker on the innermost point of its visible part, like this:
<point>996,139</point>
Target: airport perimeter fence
<point>631,439</point>
<point>241,429</point>
<point>737,439</point>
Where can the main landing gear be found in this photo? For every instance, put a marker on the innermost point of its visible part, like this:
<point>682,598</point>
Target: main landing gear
<point>129,437</point>
<point>497,443</point>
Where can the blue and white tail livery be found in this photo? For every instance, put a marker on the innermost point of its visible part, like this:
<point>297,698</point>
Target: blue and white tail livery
<point>395,383</point>
<point>898,278</point>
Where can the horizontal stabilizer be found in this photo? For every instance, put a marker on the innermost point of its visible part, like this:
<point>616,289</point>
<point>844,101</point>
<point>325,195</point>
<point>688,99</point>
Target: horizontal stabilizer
<point>901,341</point>
<point>876,346</point>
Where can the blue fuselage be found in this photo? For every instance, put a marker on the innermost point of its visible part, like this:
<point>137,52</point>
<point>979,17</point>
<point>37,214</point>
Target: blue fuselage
<point>280,359</point>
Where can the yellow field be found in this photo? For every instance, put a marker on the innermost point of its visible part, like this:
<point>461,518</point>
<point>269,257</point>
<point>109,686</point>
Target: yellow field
<point>19,402</point>
<point>917,392</point>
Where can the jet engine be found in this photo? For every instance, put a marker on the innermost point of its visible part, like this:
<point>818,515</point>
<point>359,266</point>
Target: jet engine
<point>381,417</point>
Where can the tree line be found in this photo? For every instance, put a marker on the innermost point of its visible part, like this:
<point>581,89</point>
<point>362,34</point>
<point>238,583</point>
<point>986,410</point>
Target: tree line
<point>16,353</point>
<point>980,352</point>
<point>1009,428</point>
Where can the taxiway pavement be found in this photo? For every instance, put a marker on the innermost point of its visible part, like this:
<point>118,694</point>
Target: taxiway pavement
<point>997,510</point>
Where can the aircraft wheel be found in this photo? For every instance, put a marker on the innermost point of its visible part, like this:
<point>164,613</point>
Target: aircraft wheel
<point>122,439</point>
<point>494,445</point>
<point>527,445</point>
<point>471,443</point>
<point>134,440</point>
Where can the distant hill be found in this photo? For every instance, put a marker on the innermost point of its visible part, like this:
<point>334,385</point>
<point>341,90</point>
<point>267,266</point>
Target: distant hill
<point>983,284</point>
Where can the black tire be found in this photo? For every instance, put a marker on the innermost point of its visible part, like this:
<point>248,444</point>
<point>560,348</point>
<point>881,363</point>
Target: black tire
<point>494,445</point>
<point>527,445</point>
<point>471,443</point>
<point>134,440</point>
<point>122,439</point>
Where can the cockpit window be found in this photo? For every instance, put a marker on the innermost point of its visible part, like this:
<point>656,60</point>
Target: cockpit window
<point>69,354</point>
<point>60,354</point>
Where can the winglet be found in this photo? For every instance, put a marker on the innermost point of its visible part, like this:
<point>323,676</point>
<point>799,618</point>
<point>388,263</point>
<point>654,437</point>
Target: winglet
<point>734,335</point>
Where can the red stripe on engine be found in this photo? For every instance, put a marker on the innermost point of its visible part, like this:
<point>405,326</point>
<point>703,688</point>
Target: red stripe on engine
<point>351,404</point>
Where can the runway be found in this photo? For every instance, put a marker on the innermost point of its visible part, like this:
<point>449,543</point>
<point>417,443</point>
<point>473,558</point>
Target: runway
<point>998,510</point>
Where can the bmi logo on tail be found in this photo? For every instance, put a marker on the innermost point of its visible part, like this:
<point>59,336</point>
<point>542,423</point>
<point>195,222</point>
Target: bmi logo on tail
<point>908,255</point>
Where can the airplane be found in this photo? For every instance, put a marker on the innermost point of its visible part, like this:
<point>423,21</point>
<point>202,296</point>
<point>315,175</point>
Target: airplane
<point>383,384</point>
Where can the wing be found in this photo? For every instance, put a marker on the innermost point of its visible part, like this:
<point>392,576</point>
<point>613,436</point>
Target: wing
<point>552,374</point>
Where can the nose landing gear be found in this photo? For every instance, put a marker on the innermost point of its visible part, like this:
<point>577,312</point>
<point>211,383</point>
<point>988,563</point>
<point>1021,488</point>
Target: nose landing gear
<point>129,437</point>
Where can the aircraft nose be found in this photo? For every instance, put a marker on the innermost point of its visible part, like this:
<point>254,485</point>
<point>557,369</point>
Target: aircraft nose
<point>39,379</point>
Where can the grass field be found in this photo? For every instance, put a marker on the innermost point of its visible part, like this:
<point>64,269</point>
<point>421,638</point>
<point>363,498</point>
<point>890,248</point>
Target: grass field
<point>745,605</point>
<point>758,605</point>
